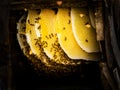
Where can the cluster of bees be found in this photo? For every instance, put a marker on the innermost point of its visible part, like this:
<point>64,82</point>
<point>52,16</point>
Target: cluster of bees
<point>30,42</point>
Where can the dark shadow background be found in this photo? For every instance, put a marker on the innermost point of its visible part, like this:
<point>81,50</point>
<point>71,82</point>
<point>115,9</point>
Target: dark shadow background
<point>17,74</point>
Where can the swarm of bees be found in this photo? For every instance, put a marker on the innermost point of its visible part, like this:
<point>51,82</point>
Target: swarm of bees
<point>58,38</point>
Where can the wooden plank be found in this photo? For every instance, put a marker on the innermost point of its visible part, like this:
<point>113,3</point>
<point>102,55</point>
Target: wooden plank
<point>37,4</point>
<point>20,5</point>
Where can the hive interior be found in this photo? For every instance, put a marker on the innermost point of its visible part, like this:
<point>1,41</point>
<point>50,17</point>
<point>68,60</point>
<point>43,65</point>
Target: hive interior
<point>44,32</point>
